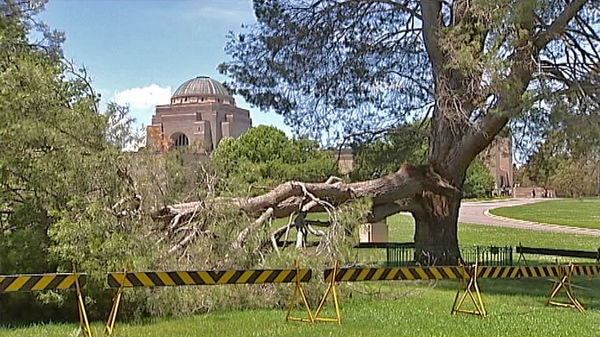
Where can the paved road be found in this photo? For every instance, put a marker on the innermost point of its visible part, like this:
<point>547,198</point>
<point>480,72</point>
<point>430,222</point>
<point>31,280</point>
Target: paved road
<point>478,212</point>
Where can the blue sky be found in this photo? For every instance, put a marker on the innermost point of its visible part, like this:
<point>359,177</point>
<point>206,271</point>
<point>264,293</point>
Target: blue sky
<point>138,52</point>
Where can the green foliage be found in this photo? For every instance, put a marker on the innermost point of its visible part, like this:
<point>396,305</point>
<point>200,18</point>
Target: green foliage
<point>264,156</point>
<point>568,160</point>
<point>120,131</point>
<point>176,176</point>
<point>385,155</point>
<point>48,129</point>
<point>260,144</point>
<point>326,78</point>
<point>61,171</point>
<point>215,251</point>
<point>576,178</point>
<point>330,71</point>
<point>543,164</point>
<point>479,181</point>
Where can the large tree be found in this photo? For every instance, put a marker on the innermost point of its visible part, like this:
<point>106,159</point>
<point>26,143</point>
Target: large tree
<point>63,176</point>
<point>471,66</point>
<point>47,125</point>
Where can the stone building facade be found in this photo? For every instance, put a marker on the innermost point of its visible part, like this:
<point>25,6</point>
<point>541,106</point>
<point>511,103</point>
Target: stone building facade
<point>498,157</point>
<point>201,113</point>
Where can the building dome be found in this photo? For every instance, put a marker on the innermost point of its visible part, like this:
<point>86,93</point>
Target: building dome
<point>201,86</point>
<point>201,113</point>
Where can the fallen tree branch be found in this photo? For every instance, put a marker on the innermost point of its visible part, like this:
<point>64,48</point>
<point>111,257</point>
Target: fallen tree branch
<point>388,195</point>
<point>241,239</point>
<point>289,197</point>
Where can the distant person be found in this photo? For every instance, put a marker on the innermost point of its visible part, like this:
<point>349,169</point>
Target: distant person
<point>533,193</point>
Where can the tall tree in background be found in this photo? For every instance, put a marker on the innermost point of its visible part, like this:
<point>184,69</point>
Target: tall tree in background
<point>384,154</point>
<point>48,126</point>
<point>266,157</point>
<point>330,67</point>
<point>568,158</point>
<point>62,168</point>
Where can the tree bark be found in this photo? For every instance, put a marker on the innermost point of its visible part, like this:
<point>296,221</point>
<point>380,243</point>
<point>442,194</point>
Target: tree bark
<point>436,239</point>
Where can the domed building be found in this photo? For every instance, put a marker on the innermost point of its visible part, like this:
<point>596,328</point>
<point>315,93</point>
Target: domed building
<point>201,112</point>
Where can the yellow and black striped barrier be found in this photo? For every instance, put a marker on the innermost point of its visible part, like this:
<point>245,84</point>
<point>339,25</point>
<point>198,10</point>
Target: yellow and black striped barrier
<point>391,274</point>
<point>584,269</point>
<point>39,282</point>
<point>536,271</point>
<point>54,281</point>
<point>127,279</point>
<point>496,272</point>
<point>455,272</point>
<point>561,273</point>
<point>210,277</point>
<point>468,277</point>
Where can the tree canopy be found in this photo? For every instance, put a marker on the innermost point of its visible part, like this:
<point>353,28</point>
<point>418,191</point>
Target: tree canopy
<point>470,66</point>
<point>337,66</point>
<point>48,130</point>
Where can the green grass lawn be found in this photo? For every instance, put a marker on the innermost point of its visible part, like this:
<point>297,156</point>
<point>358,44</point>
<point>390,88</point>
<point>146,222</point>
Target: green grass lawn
<point>401,229</point>
<point>418,308</point>
<point>568,212</point>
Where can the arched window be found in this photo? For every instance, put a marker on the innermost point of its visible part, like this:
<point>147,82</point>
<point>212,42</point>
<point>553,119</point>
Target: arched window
<point>179,140</point>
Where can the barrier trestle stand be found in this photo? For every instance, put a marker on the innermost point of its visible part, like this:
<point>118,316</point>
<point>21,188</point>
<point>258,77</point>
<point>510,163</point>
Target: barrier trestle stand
<point>299,290</point>
<point>471,289</point>
<point>109,328</point>
<point>55,281</point>
<point>331,290</point>
<point>521,255</point>
<point>84,323</point>
<point>564,282</point>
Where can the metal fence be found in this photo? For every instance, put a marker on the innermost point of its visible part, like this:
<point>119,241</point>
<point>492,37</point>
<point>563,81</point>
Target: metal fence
<point>487,255</point>
<point>403,253</point>
<point>400,254</point>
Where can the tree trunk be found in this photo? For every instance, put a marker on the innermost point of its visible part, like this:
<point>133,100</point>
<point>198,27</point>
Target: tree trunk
<point>436,239</point>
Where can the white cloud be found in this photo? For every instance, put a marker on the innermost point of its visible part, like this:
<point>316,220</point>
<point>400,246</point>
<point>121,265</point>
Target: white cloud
<point>143,98</point>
